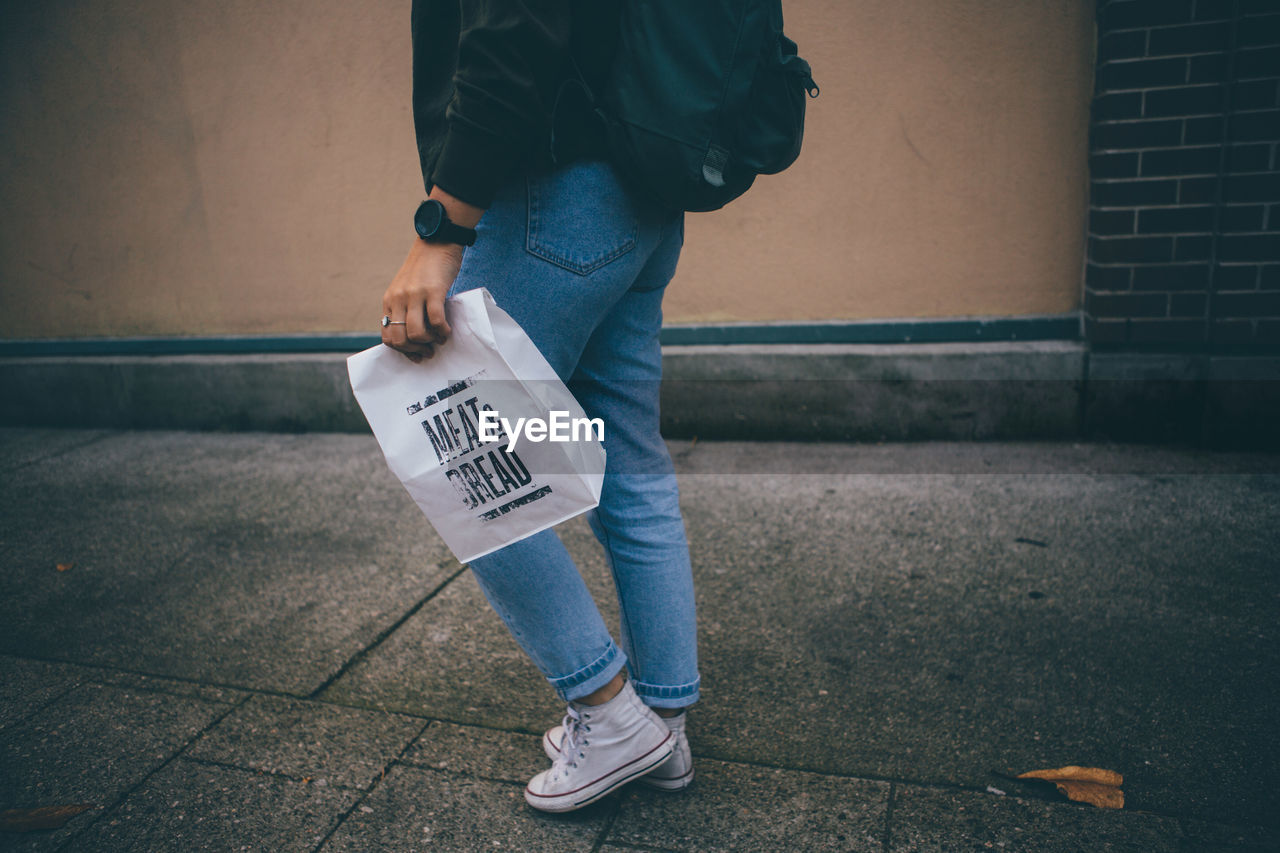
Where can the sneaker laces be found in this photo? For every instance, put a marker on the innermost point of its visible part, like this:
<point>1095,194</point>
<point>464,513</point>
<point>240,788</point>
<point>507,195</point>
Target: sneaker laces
<point>574,729</point>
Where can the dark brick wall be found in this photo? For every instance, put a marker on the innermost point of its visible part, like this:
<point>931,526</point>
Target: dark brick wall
<point>1184,221</point>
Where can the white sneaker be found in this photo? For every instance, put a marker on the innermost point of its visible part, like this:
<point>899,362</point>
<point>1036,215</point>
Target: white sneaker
<point>601,748</point>
<point>674,774</point>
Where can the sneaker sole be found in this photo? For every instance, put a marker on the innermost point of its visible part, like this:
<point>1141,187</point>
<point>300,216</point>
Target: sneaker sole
<point>593,791</point>
<point>677,783</point>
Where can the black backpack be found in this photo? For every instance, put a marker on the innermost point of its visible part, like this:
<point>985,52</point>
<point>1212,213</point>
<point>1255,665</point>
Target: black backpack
<point>702,96</point>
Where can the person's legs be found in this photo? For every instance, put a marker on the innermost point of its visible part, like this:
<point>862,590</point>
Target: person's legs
<point>561,256</point>
<point>638,520</point>
<point>581,265</point>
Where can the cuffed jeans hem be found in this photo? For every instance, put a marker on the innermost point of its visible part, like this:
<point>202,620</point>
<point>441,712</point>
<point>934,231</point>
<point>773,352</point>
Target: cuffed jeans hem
<point>666,696</point>
<point>591,677</point>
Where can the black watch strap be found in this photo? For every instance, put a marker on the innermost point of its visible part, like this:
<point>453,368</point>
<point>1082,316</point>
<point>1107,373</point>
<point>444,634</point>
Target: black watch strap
<point>431,221</point>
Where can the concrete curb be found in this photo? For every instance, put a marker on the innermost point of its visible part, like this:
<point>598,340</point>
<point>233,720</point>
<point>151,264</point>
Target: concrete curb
<point>860,392</point>
<point>874,392</point>
<point>275,393</point>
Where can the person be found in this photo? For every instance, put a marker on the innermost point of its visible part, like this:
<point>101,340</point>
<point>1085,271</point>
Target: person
<point>512,162</point>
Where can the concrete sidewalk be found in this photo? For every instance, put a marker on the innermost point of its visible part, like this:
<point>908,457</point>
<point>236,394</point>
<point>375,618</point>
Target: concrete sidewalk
<point>260,644</point>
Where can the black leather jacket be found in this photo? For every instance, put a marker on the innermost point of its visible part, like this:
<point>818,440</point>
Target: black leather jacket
<point>486,78</point>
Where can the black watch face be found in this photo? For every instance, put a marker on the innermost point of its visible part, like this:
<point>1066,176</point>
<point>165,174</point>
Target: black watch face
<point>427,220</point>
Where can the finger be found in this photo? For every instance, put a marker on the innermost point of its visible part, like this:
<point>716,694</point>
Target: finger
<point>415,327</point>
<point>393,334</point>
<point>436,318</point>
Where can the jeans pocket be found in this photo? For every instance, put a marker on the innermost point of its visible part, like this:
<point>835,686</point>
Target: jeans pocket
<point>580,217</point>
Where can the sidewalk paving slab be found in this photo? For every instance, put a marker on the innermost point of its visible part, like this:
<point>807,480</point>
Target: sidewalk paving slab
<point>324,743</point>
<point>737,807</point>
<point>27,686</point>
<point>242,561</point>
<point>485,753</point>
<point>91,746</point>
<point>415,810</point>
<point>933,820</point>
<point>189,806</point>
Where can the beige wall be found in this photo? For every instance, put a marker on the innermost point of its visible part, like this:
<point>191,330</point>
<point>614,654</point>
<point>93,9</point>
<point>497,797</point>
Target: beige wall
<point>241,167</point>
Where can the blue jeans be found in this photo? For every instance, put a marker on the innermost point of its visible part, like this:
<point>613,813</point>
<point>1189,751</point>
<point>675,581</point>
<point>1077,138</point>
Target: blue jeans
<point>581,264</point>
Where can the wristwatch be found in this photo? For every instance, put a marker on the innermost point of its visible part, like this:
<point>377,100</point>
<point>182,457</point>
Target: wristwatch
<point>433,225</point>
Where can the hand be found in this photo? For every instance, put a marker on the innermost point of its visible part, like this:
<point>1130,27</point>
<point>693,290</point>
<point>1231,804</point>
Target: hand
<point>415,298</point>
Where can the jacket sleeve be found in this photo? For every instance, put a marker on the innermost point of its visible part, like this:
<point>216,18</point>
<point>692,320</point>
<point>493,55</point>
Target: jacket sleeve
<point>511,55</point>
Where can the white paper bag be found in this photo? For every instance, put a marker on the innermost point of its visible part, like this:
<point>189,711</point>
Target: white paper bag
<point>479,495</point>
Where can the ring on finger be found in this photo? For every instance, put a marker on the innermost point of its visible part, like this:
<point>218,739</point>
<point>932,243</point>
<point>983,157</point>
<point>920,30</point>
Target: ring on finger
<point>387,321</point>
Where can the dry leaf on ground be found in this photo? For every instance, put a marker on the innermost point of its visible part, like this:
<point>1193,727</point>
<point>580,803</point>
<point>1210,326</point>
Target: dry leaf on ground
<point>1072,773</point>
<point>1093,785</point>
